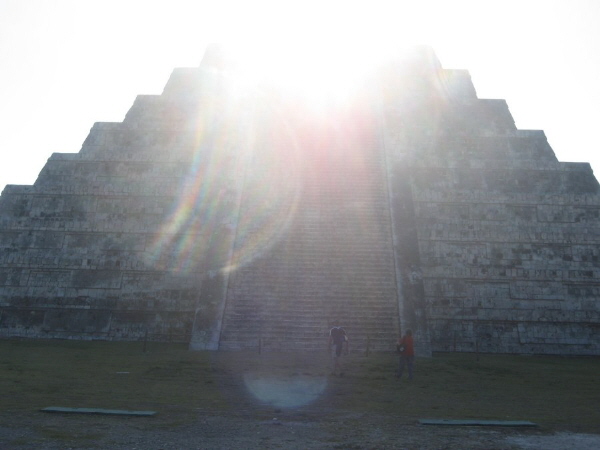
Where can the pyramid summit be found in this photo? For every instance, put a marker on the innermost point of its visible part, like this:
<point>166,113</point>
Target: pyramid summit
<point>234,222</point>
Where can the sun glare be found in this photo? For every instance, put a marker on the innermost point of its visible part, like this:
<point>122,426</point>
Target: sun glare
<point>320,73</point>
<point>323,51</point>
<point>285,108</point>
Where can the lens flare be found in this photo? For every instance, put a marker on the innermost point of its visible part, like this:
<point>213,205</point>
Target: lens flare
<point>285,392</point>
<point>255,137</point>
<point>240,189</point>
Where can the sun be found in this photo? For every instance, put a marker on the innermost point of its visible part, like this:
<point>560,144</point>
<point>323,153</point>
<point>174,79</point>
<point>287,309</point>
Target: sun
<point>321,51</point>
<point>321,74</point>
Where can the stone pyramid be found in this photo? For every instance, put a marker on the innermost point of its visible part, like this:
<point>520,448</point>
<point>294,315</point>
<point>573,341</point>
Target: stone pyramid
<point>236,219</point>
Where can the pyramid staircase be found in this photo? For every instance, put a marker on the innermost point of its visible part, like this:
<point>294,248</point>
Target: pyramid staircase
<point>331,259</point>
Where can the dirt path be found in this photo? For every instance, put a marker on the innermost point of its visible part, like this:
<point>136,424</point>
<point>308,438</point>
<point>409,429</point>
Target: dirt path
<point>257,430</point>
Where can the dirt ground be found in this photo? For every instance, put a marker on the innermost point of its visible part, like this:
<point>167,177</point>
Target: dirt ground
<point>304,429</point>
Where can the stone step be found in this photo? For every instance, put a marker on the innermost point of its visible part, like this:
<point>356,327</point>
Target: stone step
<point>320,344</point>
<point>306,316</point>
<point>373,329</point>
<point>317,316</point>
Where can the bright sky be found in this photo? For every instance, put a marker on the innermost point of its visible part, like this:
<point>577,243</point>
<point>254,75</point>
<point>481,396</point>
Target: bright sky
<point>65,64</point>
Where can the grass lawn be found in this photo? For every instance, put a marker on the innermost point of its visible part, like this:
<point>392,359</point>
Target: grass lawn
<point>558,393</point>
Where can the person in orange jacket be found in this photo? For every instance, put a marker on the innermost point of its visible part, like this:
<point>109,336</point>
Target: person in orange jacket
<point>406,348</point>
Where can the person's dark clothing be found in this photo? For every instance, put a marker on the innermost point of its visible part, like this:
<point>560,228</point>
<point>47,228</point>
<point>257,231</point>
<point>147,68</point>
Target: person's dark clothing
<point>338,337</point>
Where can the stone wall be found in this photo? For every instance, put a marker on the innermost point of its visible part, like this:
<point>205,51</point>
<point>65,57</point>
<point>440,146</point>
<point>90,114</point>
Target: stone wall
<point>508,236</point>
<point>121,241</point>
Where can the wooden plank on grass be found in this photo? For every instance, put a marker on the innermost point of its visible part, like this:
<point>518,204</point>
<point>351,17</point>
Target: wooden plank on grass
<point>114,412</point>
<point>481,423</point>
